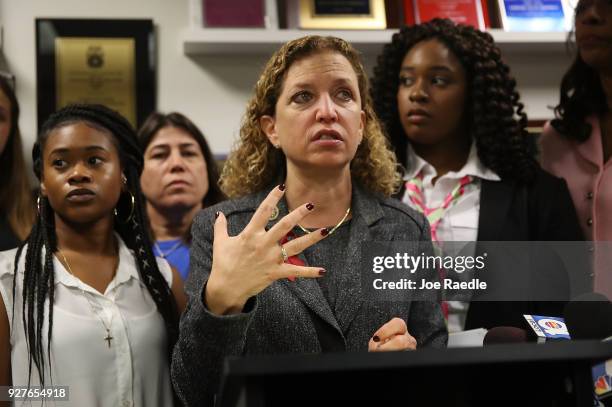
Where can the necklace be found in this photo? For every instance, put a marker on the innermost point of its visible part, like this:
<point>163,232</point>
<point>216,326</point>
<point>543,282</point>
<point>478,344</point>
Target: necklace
<point>332,230</point>
<point>163,254</point>
<point>108,338</point>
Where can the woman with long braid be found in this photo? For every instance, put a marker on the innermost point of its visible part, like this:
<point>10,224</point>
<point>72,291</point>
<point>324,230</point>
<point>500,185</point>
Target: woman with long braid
<point>114,315</point>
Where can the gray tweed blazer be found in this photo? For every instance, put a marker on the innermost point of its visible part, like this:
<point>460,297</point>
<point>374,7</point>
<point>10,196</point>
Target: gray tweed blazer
<point>279,319</point>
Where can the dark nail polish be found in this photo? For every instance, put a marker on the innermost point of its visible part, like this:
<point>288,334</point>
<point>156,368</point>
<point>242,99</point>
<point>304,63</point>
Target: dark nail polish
<point>281,187</point>
<point>322,272</point>
<point>376,338</point>
<point>309,206</point>
<point>217,214</point>
<point>325,232</point>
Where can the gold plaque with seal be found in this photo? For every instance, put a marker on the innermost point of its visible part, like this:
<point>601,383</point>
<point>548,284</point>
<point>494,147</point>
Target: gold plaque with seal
<point>97,70</point>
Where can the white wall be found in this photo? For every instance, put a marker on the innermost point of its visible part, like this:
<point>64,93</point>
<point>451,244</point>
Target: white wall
<point>212,91</point>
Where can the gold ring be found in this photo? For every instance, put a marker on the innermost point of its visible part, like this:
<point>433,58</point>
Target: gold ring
<point>274,214</point>
<point>284,254</point>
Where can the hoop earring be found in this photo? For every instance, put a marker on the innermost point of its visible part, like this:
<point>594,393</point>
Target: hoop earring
<point>40,209</point>
<point>133,204</point>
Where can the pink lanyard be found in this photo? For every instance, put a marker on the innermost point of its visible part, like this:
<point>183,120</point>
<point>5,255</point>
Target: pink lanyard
<point>434,215</point>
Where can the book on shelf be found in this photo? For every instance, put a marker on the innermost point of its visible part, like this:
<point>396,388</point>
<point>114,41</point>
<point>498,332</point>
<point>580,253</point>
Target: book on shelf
<point>470,12</point>
<point>536,16</point>
<point>234,13</point>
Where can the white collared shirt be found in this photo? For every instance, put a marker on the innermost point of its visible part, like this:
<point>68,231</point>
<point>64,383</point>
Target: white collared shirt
<point>134,371</point>
<point>460,221</point>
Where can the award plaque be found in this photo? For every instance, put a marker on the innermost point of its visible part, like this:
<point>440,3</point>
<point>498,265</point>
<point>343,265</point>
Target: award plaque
<point>540,15</point>
<point>342,14</point>
<point>470,12</point>
<point>109,62</point>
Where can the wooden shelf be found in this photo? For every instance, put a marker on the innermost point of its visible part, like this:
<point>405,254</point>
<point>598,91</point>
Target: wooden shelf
<point>262,41</point>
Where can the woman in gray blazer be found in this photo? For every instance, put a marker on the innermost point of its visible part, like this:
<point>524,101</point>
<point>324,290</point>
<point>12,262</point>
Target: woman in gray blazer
<point>278,269</point>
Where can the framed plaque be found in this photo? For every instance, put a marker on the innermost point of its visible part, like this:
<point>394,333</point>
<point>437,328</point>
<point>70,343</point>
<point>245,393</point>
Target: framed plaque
<point>541,15</point>
<point>470,12</point>
<point>110,62</point>
<point>342,14</point>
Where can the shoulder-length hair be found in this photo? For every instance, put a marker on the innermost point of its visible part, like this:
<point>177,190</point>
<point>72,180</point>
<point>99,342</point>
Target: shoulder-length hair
<point>16,199</point>
<point>254,163</point>
<point>156,121</point>
<point>581,95</point>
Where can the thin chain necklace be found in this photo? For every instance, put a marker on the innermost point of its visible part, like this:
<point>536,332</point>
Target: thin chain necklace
<point>163,254</point>
<point>332,230</point>
<point>108,337</point>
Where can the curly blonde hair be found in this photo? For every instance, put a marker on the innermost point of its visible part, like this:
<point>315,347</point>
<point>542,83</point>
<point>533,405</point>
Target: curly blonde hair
<point>254,163</point>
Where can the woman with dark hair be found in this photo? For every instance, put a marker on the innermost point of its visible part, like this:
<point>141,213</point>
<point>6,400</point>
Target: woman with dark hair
<point>105,331</point>
<point>16,203</point>
<point>278,268</point>
<point>452,113</point>
<point>577,145</point>
<point>179,178</point>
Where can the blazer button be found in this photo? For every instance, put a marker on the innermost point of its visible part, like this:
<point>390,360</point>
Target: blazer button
<point>589,195</point>
<point>589,222</point>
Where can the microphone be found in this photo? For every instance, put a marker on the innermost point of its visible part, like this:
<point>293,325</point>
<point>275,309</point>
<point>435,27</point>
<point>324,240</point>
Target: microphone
<point>505,334</point>
<point>547,328</point>
<point>589,316</point>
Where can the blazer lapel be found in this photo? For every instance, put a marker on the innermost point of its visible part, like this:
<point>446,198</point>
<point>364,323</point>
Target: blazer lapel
<point>495,200</point>
<point>591,149</point>
<point>307,289</point>
<point>365,213</point>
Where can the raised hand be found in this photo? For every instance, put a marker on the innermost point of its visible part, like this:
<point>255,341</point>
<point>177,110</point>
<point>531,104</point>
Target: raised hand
<point>244,265</point>
<point>392,336</point>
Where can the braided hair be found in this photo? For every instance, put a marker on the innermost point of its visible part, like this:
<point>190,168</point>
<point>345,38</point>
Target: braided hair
<point>130,223</point>
<point>495,117</point>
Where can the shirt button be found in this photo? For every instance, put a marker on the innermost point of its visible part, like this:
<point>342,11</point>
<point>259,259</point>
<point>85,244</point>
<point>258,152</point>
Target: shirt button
<point>589,221</point>
<point>589,195</point>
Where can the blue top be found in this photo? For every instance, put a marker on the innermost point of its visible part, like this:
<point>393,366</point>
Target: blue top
<point>176,252</point>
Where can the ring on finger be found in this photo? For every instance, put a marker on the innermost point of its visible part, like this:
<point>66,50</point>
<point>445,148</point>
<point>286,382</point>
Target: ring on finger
<point>284,253</point>
<point>297,273</point>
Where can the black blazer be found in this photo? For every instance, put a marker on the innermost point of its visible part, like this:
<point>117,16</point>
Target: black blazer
<point>539,211</point>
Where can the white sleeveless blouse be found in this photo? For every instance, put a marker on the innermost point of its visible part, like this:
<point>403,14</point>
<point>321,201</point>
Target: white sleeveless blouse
<point>133,371</point>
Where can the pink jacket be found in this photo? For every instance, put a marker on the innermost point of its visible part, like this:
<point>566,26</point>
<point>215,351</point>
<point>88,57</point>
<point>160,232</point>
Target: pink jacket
<point>590,183</point>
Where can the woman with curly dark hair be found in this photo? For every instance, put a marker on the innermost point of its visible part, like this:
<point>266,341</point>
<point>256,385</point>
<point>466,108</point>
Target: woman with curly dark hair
<point>577,145</point>
<point>452,113</point>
